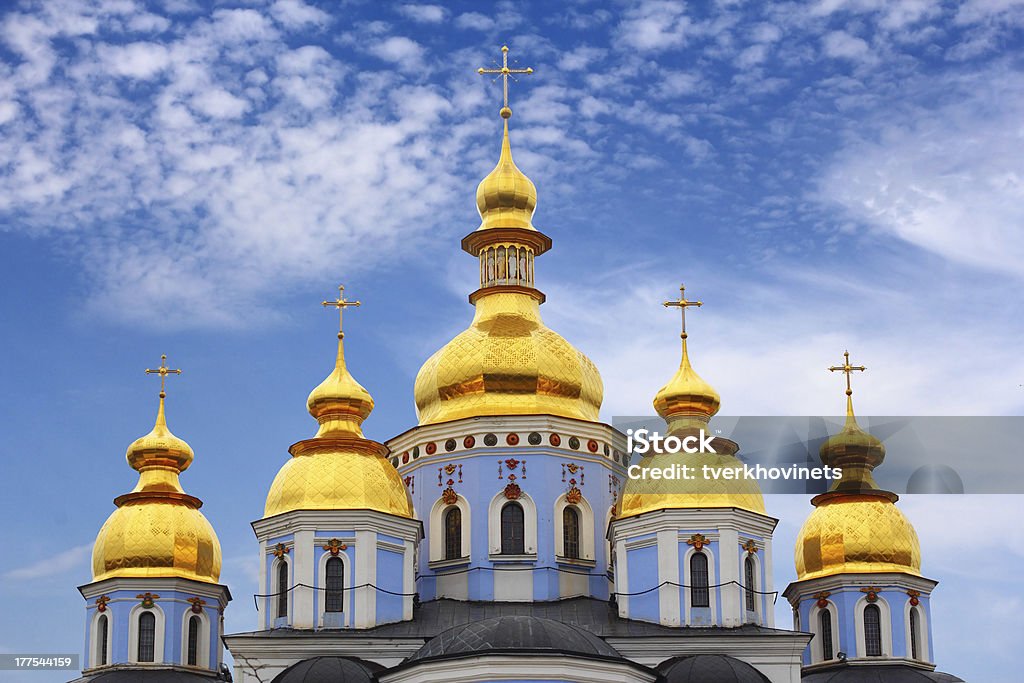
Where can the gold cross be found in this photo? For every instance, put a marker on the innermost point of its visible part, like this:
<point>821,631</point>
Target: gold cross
<point>341,303</point>
<point>682,304</point>
<point>847,370</point>
<point>504,73</point>
<point>163,371</point>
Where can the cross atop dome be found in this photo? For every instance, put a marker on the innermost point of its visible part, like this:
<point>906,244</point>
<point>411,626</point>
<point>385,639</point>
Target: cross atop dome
<point>504,73</point>
<point>163,371</point>
<point>847,370</point>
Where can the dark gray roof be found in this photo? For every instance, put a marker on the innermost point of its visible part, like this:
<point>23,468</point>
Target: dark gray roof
<point>515,633</point>
<point>329,670</point>
<point>878,673</point>
<point>596,616</point>
<point>709,669</point>
<point>129,675</point>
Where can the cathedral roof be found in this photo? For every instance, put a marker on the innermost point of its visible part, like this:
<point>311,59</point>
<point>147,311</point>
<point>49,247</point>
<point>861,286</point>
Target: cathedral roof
<point>701,668</point>
<point>329,670</point>
<point>878,673</point>
<point>139,675</point>
<point>515,633</point>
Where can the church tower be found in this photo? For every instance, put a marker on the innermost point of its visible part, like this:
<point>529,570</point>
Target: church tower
<point>509,468</point>
<point>155,602</point>
<point>337,537</point>
<point>859,588</point>
<point>692,552</point>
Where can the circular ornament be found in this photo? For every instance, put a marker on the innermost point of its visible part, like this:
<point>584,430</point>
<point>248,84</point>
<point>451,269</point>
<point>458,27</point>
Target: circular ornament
<point>490,440</point>
<point>592,446</point>
<point>534,438</point>
<point>450,445</point>
<point>469,442</point>
<point>512,439</point>
<point>554,439</point>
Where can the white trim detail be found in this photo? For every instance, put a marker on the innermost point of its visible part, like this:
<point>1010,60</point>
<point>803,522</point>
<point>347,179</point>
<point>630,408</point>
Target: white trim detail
<point>814,617</point>
<point>923,652</point>
<point>758,608</point>
<point>885,625</point>
<point>712,580</point>
<point>586,523</point>
<point>437,528</point>
<point>158,638</point>
<point>273,591</point>
<point>494,524</point>
<point>94,644</point>
<point>347,592</point>
<point>202,643</point>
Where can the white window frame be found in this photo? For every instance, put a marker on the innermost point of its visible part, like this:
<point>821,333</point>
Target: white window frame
<point>159,632</point>
<point>94,648</point>
<point>712,580</point>
<point>529,526</point>
<point>272,590</point>
<point>923,652</point>
<point>885,616</point>
<point>202,644</point>
<point>346,578</point>
<point>437,530</point>
<point>758,610</point>
<point>586,519</point>
<point>817,650</point>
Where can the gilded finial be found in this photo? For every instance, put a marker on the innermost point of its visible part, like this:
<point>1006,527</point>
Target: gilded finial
<point>163,371</point>
<point>847,370</point>
<point>682,303</point>
<point>504,72</point>
<point>341,303</point>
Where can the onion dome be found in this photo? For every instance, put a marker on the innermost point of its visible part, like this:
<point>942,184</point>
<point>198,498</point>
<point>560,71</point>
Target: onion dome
<point>687,404</point>
<point>702,668</point>
<point>855,526</point>
<point>519,633</point>
<point>508,362</point>
<point>157,530</point>
<point>339,469</point>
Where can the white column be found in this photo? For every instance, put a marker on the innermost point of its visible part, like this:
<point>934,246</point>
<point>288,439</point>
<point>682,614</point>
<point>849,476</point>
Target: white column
<point>729,570</point>
<point>668,570</point>
<point>303,572</point>
<point>408,579</point>
<point>264,587</point>
<point>621,578</point>
<point>769,585</point>
<point>366,572</point>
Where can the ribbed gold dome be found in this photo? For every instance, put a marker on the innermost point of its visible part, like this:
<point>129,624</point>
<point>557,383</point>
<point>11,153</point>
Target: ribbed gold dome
<point>855,527</point>
<point>506,198</point>
<point>856,533</point>
<point>339,469</point>
<point>687,398</point>
<point>157,530</point>
<point>507,363</point>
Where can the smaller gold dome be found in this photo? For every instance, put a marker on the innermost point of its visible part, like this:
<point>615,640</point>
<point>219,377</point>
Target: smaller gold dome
<point>855,452</point>
<point>687,398</point>
<point>157,530</point>
<point>856,533</point>
<point>506,198</point>
<point>339,469</point>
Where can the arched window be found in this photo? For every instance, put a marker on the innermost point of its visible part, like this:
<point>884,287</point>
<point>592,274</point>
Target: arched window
<point>748,578</point>
<point>453,533</point>
<point>147,636</point>
<point>282,589</point>
<point>193,641</point>
<point>872,631</point>
<point>571,532</point>
<point>513,532</point>
<point>913,633</point>
<point>334,600</point>
<point>699,595</point>
<point>826,635</point>
<point>102,635</point>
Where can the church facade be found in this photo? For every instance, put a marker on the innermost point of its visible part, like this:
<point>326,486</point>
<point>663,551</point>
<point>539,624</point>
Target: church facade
<point>500,539</point>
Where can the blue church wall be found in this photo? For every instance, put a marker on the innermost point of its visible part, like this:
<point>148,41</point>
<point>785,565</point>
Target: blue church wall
<point>390,569</point>
<point>642,568</point>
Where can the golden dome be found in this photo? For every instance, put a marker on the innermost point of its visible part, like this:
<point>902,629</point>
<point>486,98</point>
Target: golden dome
<point>856,533</point>
<point>506,198</point>
<point>855,527</point>
<point>157,530</point>
<point>339,469</point>
<point>507,363</point>
<point>687,397</point>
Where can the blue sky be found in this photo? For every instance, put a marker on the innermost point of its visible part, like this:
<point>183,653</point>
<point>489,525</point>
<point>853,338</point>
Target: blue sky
<point>190,179</point>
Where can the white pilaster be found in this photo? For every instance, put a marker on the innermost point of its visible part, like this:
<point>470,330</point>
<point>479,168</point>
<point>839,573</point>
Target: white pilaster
<point>408,579</point>
<point>303,573</point>
<point>366,573</point>
<point>769,585</point>
<point>729,570</point>
<point>264,587</point>
<point>621,578</point>
<point>668,570</point>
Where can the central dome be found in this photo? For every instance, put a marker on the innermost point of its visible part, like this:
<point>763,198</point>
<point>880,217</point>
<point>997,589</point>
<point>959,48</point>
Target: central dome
<point>507,363</point>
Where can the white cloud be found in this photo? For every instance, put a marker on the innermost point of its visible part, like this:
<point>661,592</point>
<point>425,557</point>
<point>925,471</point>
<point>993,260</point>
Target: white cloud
<point>655,25</point>
<point>424,14</point>
<point>220,104</point>
<point>841,44</point>
<point>135,60</point>
<point>399,50</point>
<point>295,14</point>
<point>52,565</point>
<point>580,58</point>
<point>474,20</point>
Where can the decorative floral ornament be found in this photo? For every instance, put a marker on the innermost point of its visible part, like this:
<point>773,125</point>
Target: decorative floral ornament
<point>573,495</point>
<point>280,550</point>
<point>334,546</point>
<point>147,599</point>
<point>822,598</point>
<point>872,592</point>
<point>698,541</point>
<point>750,547</point>
<point>101,603</point>
<point>197,604</point>
<point>449,496</point>
<point>511,463</point>
<point>513,492</point>
<point>914,597</point>
<point>449,468</point>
